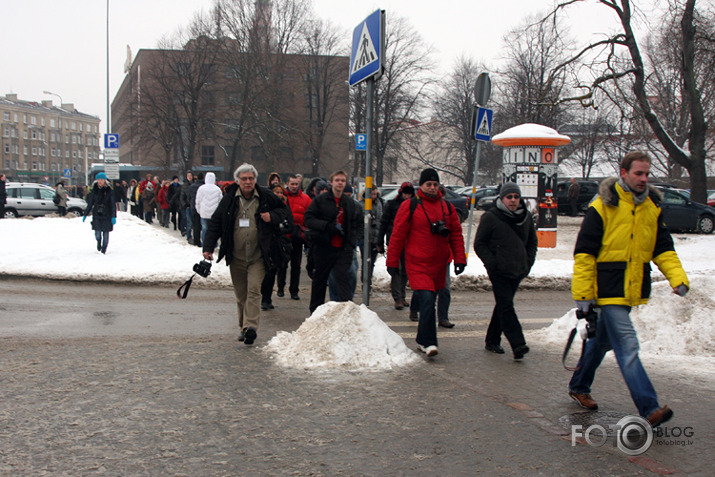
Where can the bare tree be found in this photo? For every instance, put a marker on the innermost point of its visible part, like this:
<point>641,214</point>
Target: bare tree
<point>620,59</point>
<point>326,93</point>
<point>528,85</point>
<point>174,90</point>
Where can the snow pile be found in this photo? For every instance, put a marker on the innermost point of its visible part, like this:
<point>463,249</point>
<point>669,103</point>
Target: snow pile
<point>668,325</point>
<point>65,248</point>
<point>341,335</point>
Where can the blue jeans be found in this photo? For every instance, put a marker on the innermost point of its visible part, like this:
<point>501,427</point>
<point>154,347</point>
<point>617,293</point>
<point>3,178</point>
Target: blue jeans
<point>204,228</point>
<point>615,331</point>
<point>102,239</point>
<point>444,299</point>
<point>187,222</point>
<point>427,326</point>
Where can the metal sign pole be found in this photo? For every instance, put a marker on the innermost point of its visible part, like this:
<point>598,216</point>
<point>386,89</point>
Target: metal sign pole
<point>367,246</point>
<point>482,91</point>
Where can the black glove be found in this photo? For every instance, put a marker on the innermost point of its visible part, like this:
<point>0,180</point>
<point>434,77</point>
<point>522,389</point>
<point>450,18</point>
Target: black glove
<point>393,271</point>
<point>459,268</point>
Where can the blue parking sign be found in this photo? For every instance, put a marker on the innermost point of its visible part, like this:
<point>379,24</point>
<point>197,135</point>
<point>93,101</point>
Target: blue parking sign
<point>361,142</point>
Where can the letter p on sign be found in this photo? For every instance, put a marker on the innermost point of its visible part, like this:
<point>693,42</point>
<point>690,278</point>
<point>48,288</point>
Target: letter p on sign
<point>111,141</point>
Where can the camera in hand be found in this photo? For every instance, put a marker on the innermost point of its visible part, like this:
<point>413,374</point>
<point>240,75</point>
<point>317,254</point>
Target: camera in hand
<point>591,318</point>
<point>203,268</point>
<point>439,228</point>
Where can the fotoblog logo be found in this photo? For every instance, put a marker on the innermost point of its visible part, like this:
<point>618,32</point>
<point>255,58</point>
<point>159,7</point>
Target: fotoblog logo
<point>633,434</point>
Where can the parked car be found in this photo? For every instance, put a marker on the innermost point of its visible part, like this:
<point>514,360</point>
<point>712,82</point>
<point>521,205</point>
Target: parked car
<point>26,198</point>
<point>588,190</point>
<point>487,202</point>
<point>683,215</point>
<point>711,200</point>
<point>460,203</point>
<point>479,193</point>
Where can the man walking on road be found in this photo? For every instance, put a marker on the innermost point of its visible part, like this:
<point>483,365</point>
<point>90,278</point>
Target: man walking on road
<point>298,203</point>
<point>428,233</point>
<point>621,234</point>
<point>244,222</point>
<point>506,242</point>
<point>335,223</point>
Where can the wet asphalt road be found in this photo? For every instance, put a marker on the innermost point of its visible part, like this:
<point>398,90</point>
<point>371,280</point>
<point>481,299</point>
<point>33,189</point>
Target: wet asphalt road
<point>108,379</point>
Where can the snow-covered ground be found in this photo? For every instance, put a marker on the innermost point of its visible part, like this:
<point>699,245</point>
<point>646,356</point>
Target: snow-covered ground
<point>65,248</point>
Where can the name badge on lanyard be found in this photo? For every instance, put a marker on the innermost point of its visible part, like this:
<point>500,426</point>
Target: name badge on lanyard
<point>244,222</point>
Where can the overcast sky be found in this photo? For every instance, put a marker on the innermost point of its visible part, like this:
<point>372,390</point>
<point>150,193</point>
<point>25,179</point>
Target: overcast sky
<point>61,45</point>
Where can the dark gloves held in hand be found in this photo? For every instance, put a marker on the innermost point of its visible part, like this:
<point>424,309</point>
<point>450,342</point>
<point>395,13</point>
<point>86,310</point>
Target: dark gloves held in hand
<point>459,268</point>
<point>393,271</point>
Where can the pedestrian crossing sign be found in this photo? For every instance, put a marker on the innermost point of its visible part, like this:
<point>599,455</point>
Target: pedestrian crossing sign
<point>367,50</point>
<point>483,131</point>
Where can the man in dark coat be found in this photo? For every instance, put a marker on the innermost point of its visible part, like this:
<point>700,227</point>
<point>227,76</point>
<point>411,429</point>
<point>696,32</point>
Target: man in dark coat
<point>245,221</point>
<point>185,206</point>
<point>334,221</point>
<point>506,242</point>
<point>195,217</point>
<point>572,196</point>
<point>100,203</point>
<point>3,196</point>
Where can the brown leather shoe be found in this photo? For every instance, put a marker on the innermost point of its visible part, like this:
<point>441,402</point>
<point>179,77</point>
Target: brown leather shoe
<point>584,400</point>
<point>659,416</point>
<point>399,305</point>
<point>404,303</point>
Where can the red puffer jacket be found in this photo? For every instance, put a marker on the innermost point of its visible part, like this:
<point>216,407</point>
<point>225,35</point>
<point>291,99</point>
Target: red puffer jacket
<point>427,255</point>
<point>298,203</point>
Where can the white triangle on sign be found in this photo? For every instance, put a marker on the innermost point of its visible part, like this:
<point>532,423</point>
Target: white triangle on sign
<point>484,126</point>
<point>366,52</point>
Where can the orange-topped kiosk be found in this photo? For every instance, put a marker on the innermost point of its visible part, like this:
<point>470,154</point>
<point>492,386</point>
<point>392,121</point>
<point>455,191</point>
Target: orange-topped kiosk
<point>531,160</point>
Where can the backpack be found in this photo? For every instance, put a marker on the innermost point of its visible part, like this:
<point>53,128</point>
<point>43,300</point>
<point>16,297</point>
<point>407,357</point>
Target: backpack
<point>415,200</point>
<point>56,199</point>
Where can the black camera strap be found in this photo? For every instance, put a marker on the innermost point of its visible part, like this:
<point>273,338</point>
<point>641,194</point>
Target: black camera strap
<point>185,286</point>
<point>569,342</point>
<point>572,335</point>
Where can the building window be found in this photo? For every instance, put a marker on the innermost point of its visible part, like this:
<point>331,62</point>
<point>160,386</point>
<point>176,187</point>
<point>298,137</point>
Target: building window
<point>52,123</point>
<point>67,138</point>
<point>7,148</point>
<point>34,150</point>
<point>34,165</point>
<point>15,120</point>
<point>6,132</point>
<point>74,139</point>
<point>74,154</point>
<point>24,150</point>
<point>232,71</point>
<point>34,134</point>
<point>207,156</point>
<point>67,154</point>
<point>24,121</point>
<point>6,116</point>
<point>74,125</point>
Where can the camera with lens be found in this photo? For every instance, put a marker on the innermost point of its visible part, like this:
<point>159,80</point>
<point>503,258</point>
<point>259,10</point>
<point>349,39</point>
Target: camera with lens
<point>591,317</point>
<point>203,268</point>
<point>439,228</point>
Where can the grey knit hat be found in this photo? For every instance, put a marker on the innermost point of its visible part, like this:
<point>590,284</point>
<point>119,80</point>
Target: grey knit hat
<point>509,188</point>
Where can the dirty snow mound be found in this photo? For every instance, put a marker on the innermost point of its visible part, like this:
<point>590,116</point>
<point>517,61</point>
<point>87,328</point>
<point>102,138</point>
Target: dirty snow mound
<point>668,325</point>
<point>341,335</point>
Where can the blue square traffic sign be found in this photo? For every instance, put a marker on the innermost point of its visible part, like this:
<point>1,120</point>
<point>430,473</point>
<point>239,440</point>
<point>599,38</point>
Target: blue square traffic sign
<point>366,55</point>
<point>361,142</point>
<point>111,141</point>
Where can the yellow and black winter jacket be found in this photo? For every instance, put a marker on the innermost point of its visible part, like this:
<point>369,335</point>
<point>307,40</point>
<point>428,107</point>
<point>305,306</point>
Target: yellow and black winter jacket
<point>617,241</point>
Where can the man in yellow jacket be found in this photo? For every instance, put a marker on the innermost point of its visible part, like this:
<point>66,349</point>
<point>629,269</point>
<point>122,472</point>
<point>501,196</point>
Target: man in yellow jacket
<point>621,234</point>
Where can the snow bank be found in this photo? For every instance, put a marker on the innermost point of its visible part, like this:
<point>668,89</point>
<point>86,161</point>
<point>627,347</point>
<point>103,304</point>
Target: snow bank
<point>668,325</point>
<point>341,335</point>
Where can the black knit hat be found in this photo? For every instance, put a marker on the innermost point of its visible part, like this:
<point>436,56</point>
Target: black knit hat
<point>509,188</point>
<point>429,174</point>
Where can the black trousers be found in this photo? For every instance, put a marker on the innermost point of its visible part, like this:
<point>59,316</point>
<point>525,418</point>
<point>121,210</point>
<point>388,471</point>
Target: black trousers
<point>327,259</point>
<point>504,319</point>
<point>296,257</point>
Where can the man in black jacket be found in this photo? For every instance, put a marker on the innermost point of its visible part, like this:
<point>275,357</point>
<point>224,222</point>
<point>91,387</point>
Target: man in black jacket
<point>506,242</point>
<point>334,223</point>
<point>3,196</point>
<point>245,221</point>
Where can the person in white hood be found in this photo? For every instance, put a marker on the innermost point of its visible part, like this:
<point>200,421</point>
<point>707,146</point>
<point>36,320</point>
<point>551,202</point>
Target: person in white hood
<point>207,199</point>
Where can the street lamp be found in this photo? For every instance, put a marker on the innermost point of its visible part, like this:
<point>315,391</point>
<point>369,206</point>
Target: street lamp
<point>54,94</point>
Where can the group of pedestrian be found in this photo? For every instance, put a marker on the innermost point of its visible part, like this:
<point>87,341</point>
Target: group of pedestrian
<point>262,231</point>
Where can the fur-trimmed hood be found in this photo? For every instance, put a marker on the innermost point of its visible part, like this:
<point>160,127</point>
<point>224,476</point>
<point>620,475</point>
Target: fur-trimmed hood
<point>608,194</point>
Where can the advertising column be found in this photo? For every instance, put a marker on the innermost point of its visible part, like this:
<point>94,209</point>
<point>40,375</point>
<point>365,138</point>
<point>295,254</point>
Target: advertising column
<point>530,159</point>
